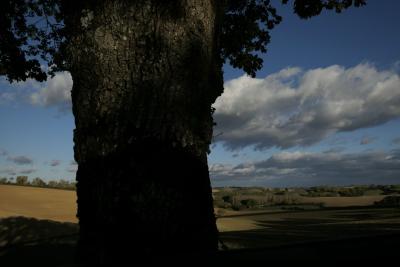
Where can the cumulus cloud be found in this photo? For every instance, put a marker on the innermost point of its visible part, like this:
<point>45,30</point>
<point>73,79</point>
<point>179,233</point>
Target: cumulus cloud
<point>12,170</point>
<point>57,92</point>
<point>299,108</point>
<point>311,168</point>
<point>367,140</point>
<point>6,97</point>
<point>3,152</point>
<point>55,162</point>
<point>337,149</point>
<point>27,171</point>
<point>20,160</point>
<point>73,167</point>
<point>8,170</point>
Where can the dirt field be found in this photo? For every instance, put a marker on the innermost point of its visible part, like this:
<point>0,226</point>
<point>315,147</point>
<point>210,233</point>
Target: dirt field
<point>40,203</point>
<point>272,234</point>
<point>60,205</point>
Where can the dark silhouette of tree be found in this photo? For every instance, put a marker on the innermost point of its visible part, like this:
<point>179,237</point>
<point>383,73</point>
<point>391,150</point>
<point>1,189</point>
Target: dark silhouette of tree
<point>37,181</point>
<point>22,180</point>
<point>145,76</point>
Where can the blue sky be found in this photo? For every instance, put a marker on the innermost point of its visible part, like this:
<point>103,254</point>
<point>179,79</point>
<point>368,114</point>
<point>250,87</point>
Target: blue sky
<point>323,110</point>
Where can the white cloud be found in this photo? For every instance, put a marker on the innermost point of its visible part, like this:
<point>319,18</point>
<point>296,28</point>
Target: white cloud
<point>294,107</point>
<point>3,152</point>
<point>291,156</point>
<point>73,166</point>
<point>20,160</point>
<point>224,169</point>
<point>6,97</point>
<point>310,168</point>
<point>57,92</point>
<point>27,171</point>
<point>396,141</point>
<point>8,170</point>
<point>72,169</point>
<point>55,162</point>
<point>13,170</point>
<point>368,140</point>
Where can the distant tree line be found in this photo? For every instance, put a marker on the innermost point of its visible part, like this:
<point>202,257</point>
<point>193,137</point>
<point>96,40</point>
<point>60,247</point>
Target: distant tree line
<point>253,198</point>
<point>38,182</point>
<point>242,198</point>
<point>351,191</point>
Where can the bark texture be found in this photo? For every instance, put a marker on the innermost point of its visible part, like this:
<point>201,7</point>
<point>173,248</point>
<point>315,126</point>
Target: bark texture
<point>145,75</point>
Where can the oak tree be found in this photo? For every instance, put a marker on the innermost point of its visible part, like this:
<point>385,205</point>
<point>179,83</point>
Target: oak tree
<point>145,74</point>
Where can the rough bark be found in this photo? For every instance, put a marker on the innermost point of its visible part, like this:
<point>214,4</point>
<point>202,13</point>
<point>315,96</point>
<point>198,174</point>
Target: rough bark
<point>145,75</point>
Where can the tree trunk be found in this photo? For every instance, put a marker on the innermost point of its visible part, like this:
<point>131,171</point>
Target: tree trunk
<point>145,76</point>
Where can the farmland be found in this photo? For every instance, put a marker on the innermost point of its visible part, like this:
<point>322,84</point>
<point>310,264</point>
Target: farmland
<point>269,220</point>
<point>282,228</point>
<point>60,205</point>
<point>40,203</point>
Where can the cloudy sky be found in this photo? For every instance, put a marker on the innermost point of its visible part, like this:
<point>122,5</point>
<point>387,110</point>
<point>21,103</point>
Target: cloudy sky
<point>324,110</point>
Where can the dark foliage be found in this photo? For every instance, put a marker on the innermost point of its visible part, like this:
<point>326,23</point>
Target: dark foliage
<point>33,37</point>
<point>245,31</point>
<point>31,33</point>
<point>247,24</point>
<point>389,201</point>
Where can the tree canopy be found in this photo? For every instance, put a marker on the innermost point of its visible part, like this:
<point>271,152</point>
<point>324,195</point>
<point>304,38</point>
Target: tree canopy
<point>33,36</point>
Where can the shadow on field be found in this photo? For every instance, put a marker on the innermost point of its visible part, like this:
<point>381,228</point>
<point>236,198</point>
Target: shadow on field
<point>324,237</point>
<point>28,241</point>
<point>319,226</point>
<point>327,237</point>
<point>357,251</point>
